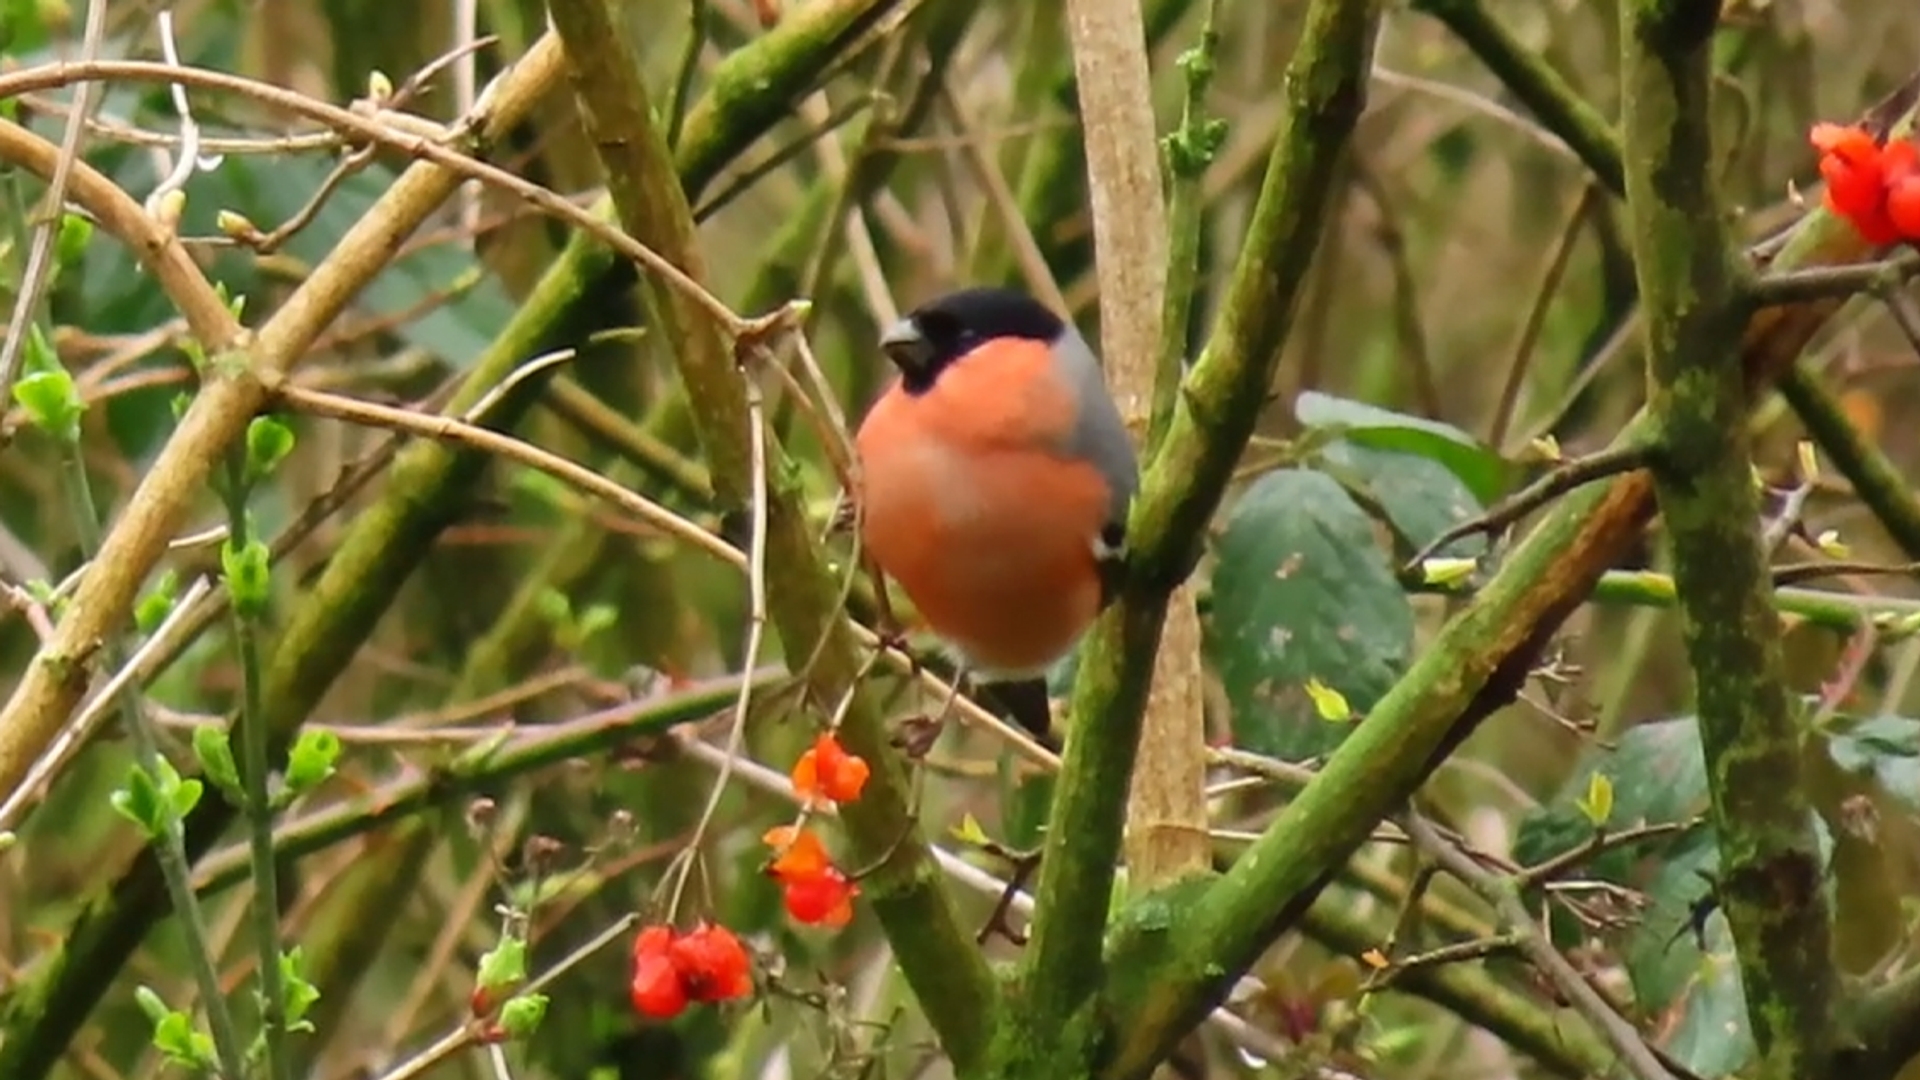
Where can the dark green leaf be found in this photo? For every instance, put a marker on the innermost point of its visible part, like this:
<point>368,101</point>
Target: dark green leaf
<point>1484,472</point>
<point>1657,775</point>
<point>1670,973</point>
<point>1885,749</point>
<point>1420,497</point>
<point>430,292</point>
<point>1302,590</point>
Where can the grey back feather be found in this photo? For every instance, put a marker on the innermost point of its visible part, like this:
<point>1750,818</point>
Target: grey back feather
<point>1099,435</point>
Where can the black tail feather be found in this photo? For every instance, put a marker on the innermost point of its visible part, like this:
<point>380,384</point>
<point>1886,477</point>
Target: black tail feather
<point>1025,703</point>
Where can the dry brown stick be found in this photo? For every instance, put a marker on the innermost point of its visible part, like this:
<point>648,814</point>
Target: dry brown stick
<point>451,429</point>
<point>1505,900</point>
<point>1166,835</point>
<point>230,395</point>
<point>385,130</point>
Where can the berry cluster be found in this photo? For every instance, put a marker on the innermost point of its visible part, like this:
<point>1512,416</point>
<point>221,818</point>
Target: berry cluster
<point>1873,185</point>
<point>708,964</point>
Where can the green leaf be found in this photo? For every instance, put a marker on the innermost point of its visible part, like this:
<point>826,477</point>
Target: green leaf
<point>269,441</point>
<point>503,966</point>
<point>248,577</point>
<point>297,994</point>
<point>521,1016</point>
<point>1302,591</point>
<point>140,802</point>
<point>185,796</point>
<point>312,758</point>
<point>214,751</point>
<point>70,245</point>
<point>1419,497</point>
<point>173,1032</point>
<point>157,604</point>
<point>1884,749</point>
<point>1597,803</point>
<point>1484,472</point>
<point>51,402</point>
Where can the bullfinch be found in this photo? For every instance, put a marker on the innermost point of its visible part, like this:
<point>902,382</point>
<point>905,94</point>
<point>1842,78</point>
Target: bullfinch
<point>995,478</point>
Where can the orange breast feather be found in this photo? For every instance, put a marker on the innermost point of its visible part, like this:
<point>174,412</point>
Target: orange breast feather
<point>968,507</point>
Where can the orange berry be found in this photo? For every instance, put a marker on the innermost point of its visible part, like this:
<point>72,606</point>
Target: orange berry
<point>827,773</point>
<point>824,899</point>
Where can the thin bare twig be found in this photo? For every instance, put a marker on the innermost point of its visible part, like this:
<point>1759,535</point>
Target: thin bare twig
<point>448,429</point>
<point>40,255</point>
<point>1573,987</point>
<point>1559,481</point>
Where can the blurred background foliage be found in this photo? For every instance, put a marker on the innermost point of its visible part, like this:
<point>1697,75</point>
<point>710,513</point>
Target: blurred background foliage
<point>1474,276</point>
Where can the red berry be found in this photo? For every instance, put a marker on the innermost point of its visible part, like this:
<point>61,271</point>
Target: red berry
<point>657,990</point>
<point>1903,207</point>
<point>822,899</point>
<point>712,963</point>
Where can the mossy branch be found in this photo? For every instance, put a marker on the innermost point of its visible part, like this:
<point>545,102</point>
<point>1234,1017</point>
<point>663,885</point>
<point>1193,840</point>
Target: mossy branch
<point>1770,873</point>
<point>747,92</point>
<point>1475,665</point>
<point>1220,400</point>
<point>1876,480</point>
<point>1564,112</point>
<point>1544,91</point>
<point>64,986</point>
<point>938,956</point>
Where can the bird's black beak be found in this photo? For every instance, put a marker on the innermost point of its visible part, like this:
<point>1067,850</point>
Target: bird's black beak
<point>907,347</point>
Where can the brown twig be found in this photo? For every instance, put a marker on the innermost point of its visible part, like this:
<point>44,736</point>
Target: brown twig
<point>1794,573</point>
<point>1572,986</point>
<point>231,392</point>
<point>383,130</point>
<point>1523,346</point>
<point>449,429</point>
<point>1599,843</point>
<point>1552,485</point>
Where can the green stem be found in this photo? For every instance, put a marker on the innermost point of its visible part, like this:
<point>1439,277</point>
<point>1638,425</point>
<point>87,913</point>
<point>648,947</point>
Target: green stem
<point>170,848</point>
<point>255,768</point>
<point>1876,480</point>
<point>537,748</point>
<point>747,94</point>
<point>1543,90</point>
<point>1189,151</point>
<point>905,889</point>
<point>1837,611</point>
<point>1770,871</point>
<point>1212,420</point>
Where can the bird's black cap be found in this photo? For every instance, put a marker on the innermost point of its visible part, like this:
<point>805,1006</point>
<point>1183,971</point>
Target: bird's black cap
<point>937,333</point>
